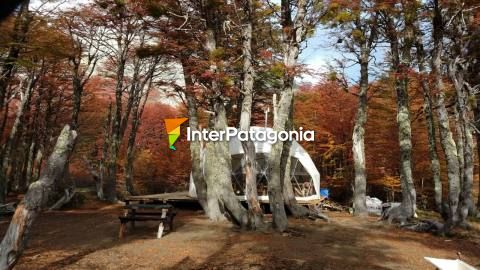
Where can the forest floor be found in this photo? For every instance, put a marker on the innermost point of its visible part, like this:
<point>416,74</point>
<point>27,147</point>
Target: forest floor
<point>86,238</point>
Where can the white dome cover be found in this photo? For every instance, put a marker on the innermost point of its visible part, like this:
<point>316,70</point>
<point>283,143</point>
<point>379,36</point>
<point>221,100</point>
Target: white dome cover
<point>263,147</point>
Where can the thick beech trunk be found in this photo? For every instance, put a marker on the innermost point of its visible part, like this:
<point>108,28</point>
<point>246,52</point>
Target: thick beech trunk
<point>249,157</point>
<point>195,146</point>
<point>293,34</point>
<point>446,138</point>
<point>217,164</point>
<point>400,72</point>
<point>358,141</point>
<point>405,140</point>
<point>35,200</point>
<point>275,183</point>
<point>110,183</point>
<point>465,141</point>
<point>218,173</point>
<point>216,167</point>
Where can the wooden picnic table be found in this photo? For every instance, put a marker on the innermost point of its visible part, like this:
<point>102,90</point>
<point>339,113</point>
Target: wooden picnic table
<point>145,209</point>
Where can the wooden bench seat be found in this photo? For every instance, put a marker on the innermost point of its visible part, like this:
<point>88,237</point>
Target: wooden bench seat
<point>135,212</point>
<point>148,206</point>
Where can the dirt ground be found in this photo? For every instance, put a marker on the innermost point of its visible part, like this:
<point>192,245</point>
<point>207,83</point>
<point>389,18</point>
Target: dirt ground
<point>86,238</point>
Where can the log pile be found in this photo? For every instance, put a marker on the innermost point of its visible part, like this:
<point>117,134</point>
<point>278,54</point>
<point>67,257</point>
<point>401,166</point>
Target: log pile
<point>327,204</point>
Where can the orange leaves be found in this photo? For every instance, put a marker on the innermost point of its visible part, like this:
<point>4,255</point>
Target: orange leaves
<point>328,110</point>
<point>265,54</point>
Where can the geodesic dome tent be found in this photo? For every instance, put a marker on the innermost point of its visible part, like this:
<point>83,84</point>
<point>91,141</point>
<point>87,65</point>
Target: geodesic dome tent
<point>304,175</point>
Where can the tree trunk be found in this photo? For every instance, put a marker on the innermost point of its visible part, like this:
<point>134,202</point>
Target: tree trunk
<point>466,200</point>
<point>130,153</point>
<point>103,167</point>
<point>464,141</point>
<point>297,210</point>
<point>358,144</point>
<point>432,146</point>
<point>137,107</point>
<point>26,165</point>
<point>96,177</point>
<point>135,124</point>
<point>111,179</point>
<point>218,173</point>
<point>446,138</point>
<point>76,98</point>
<point>254,209</point>
<point>35,200</point>
<point>31,160</point>
<point>293,33</point>
<point>477,136</point>
<point>195,146</point>
<point>400,71</point>
<point>4,117</point>
<point>275,183</point>
<point>110,182</point>
<point>37,164</point>
<point>217,166</point>
<point>460,141</point>
<point>427,104</point>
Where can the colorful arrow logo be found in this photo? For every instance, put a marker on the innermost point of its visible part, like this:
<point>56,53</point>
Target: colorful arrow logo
<point>173,130</point>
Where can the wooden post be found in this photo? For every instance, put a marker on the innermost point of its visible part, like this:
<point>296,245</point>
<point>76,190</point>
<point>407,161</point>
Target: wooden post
<point>123,228</point>
<point>160,226</point>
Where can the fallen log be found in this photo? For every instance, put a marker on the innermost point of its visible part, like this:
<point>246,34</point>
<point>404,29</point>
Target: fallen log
<point>36,199</point>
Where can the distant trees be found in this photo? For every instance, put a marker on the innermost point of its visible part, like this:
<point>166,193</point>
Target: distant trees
<point>403,25</point>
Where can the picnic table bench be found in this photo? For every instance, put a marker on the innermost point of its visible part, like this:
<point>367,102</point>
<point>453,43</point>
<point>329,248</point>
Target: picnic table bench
<point>146,210</point>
